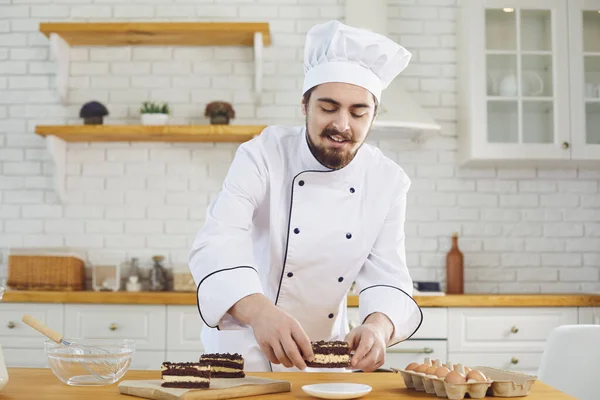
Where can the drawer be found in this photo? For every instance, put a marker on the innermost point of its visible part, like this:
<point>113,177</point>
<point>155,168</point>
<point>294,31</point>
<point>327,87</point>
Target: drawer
<point>434,325</point>
<point>414,350</point>
<point>147,360</point>
<point>144,324</point>
<point>505,329</point>
<point>184,327</point>
<point>25,358</point>
<point>16,334</point>
<point>527,363</point>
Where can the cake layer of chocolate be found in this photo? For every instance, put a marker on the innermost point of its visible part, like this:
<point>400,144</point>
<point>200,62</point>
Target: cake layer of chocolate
<point>336,347</point>
<point>327,365</point>
<point>223,364</point>
<point>186,385</point>
<point>186,369</point>
<point>234,356</point>
<point>232,374</point>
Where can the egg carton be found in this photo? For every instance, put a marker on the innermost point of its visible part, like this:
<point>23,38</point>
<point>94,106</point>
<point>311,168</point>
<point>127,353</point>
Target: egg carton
<point>431,384</point>
<point>507,383</point>
<point>499,383</point>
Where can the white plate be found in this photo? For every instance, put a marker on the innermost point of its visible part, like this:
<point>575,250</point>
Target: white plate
<point>337,390</point>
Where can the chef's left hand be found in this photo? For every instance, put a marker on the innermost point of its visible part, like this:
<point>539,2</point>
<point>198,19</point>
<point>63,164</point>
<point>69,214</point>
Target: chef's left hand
<point>369,342</point>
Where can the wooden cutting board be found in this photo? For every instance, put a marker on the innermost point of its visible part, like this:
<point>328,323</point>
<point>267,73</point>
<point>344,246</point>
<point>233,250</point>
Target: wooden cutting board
<point>220,388</point>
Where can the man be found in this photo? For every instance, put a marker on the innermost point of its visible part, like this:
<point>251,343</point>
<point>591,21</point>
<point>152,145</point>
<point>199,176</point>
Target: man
<point>306,211</point>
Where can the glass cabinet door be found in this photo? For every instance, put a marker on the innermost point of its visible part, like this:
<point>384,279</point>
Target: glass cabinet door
<point>585,79</point>
<point>525,60</point>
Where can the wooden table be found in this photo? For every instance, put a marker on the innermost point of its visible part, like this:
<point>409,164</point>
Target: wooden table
<point>40,383</point>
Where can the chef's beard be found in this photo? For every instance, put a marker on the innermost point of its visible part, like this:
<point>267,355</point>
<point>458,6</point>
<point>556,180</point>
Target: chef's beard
<point>331,157</point>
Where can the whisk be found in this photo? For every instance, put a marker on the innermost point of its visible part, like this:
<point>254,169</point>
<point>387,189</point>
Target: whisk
<point>108,367</point>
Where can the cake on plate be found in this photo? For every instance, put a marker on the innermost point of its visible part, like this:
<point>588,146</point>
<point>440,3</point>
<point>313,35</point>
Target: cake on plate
<point>330,354</point>
<point>224,365</point>
<point>185,375</point>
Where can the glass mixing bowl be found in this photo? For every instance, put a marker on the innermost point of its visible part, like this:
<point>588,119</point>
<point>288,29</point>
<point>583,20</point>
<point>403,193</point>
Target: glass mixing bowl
<point>90,361</point>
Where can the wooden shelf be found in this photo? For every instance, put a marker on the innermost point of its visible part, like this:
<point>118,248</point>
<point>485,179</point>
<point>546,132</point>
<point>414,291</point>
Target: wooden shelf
<point>63,35</point>
<point>151,133</point>
<point>158,33</point>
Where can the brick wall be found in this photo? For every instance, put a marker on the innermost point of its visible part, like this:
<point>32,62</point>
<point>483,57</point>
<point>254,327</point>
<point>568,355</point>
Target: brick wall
<point>522,230</point>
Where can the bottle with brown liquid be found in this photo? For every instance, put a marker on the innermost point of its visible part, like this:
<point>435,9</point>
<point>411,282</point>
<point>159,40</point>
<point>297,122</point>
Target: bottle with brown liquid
<point>455,268</point>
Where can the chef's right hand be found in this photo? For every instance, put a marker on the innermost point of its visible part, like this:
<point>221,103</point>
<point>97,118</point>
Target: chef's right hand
<point>278,334</point>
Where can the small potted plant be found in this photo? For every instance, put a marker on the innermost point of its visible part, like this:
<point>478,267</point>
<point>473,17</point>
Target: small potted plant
<point>154,113</point>
<point>93,113</point>
<point>219,112</point>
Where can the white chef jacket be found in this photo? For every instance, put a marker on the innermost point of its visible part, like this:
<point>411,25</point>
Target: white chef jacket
<point>286,226</point>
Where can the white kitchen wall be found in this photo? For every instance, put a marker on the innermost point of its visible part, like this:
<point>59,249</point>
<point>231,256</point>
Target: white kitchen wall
<point>522,230</point>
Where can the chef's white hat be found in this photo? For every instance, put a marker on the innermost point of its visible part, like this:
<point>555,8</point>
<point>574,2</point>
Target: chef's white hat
<point>335,52</point>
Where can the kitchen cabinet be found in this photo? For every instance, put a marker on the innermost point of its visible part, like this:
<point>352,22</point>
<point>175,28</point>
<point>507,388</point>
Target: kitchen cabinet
<point>506,338</point>
<point>589,315</point>
<point>15,334</point>
<point>142,323</point>
<point>529,82</point>
<point>510,338</point>
<point>415,350</point>
<point>184,328</point>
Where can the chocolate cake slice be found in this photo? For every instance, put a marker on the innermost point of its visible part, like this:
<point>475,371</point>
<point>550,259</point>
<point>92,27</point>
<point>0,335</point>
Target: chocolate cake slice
<point>224,365</point>
<point>185,375</point>
<point>330,354</point>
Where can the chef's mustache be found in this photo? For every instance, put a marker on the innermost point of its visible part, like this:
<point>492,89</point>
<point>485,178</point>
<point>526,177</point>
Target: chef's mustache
<point>332,132</point>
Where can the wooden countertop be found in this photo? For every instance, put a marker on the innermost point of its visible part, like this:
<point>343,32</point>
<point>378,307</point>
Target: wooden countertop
<point>187,298</point>
<point>386,385</point>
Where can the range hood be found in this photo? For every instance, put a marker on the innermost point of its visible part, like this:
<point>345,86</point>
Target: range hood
<point>398,114</point>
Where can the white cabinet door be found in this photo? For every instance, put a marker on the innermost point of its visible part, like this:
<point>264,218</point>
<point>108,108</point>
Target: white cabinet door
<point>25,358</point>
<point>434,325</point>
<point>147,360</point>
<point>519,362</point>
<point>184,327</point>
<point>514,82</point>
<point>16,334</point>
<point>414,350</point>
<point>142,323</point>
<point>589,315</point>
<point>584,59</point>
<point>505,329</point>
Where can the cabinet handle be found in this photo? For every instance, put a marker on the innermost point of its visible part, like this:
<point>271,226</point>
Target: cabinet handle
<point>11,325</point>
<point>565,145</point>
<point>514,329</point>
<point>426,350</point>
<point>112,327</point>
<point>514,360</point>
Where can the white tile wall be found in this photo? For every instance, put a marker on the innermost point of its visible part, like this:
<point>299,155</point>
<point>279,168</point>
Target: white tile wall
<point>522,230</point>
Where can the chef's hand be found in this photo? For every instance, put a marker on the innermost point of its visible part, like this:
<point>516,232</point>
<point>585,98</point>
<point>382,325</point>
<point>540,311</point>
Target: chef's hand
<point>279,335</point>
<point>369,342</point>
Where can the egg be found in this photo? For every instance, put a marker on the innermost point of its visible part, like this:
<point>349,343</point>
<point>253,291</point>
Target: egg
<point>423,368</point>
<point>476,376</point>
<point>467,370</point>
<point>431,370</point>
<point>441,372</point>
<point>455,377</point>
<point>412,366</point>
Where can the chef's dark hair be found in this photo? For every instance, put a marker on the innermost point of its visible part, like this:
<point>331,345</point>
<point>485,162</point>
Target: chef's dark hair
<point>306,97</point>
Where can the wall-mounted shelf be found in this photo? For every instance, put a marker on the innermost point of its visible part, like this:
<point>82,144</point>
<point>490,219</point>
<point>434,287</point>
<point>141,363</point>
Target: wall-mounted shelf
<point>151,133</point>
<point>63,35</point>
<point>57,137</point>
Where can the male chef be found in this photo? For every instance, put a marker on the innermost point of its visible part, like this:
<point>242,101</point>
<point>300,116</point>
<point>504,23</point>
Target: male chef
<point>306,211</point>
